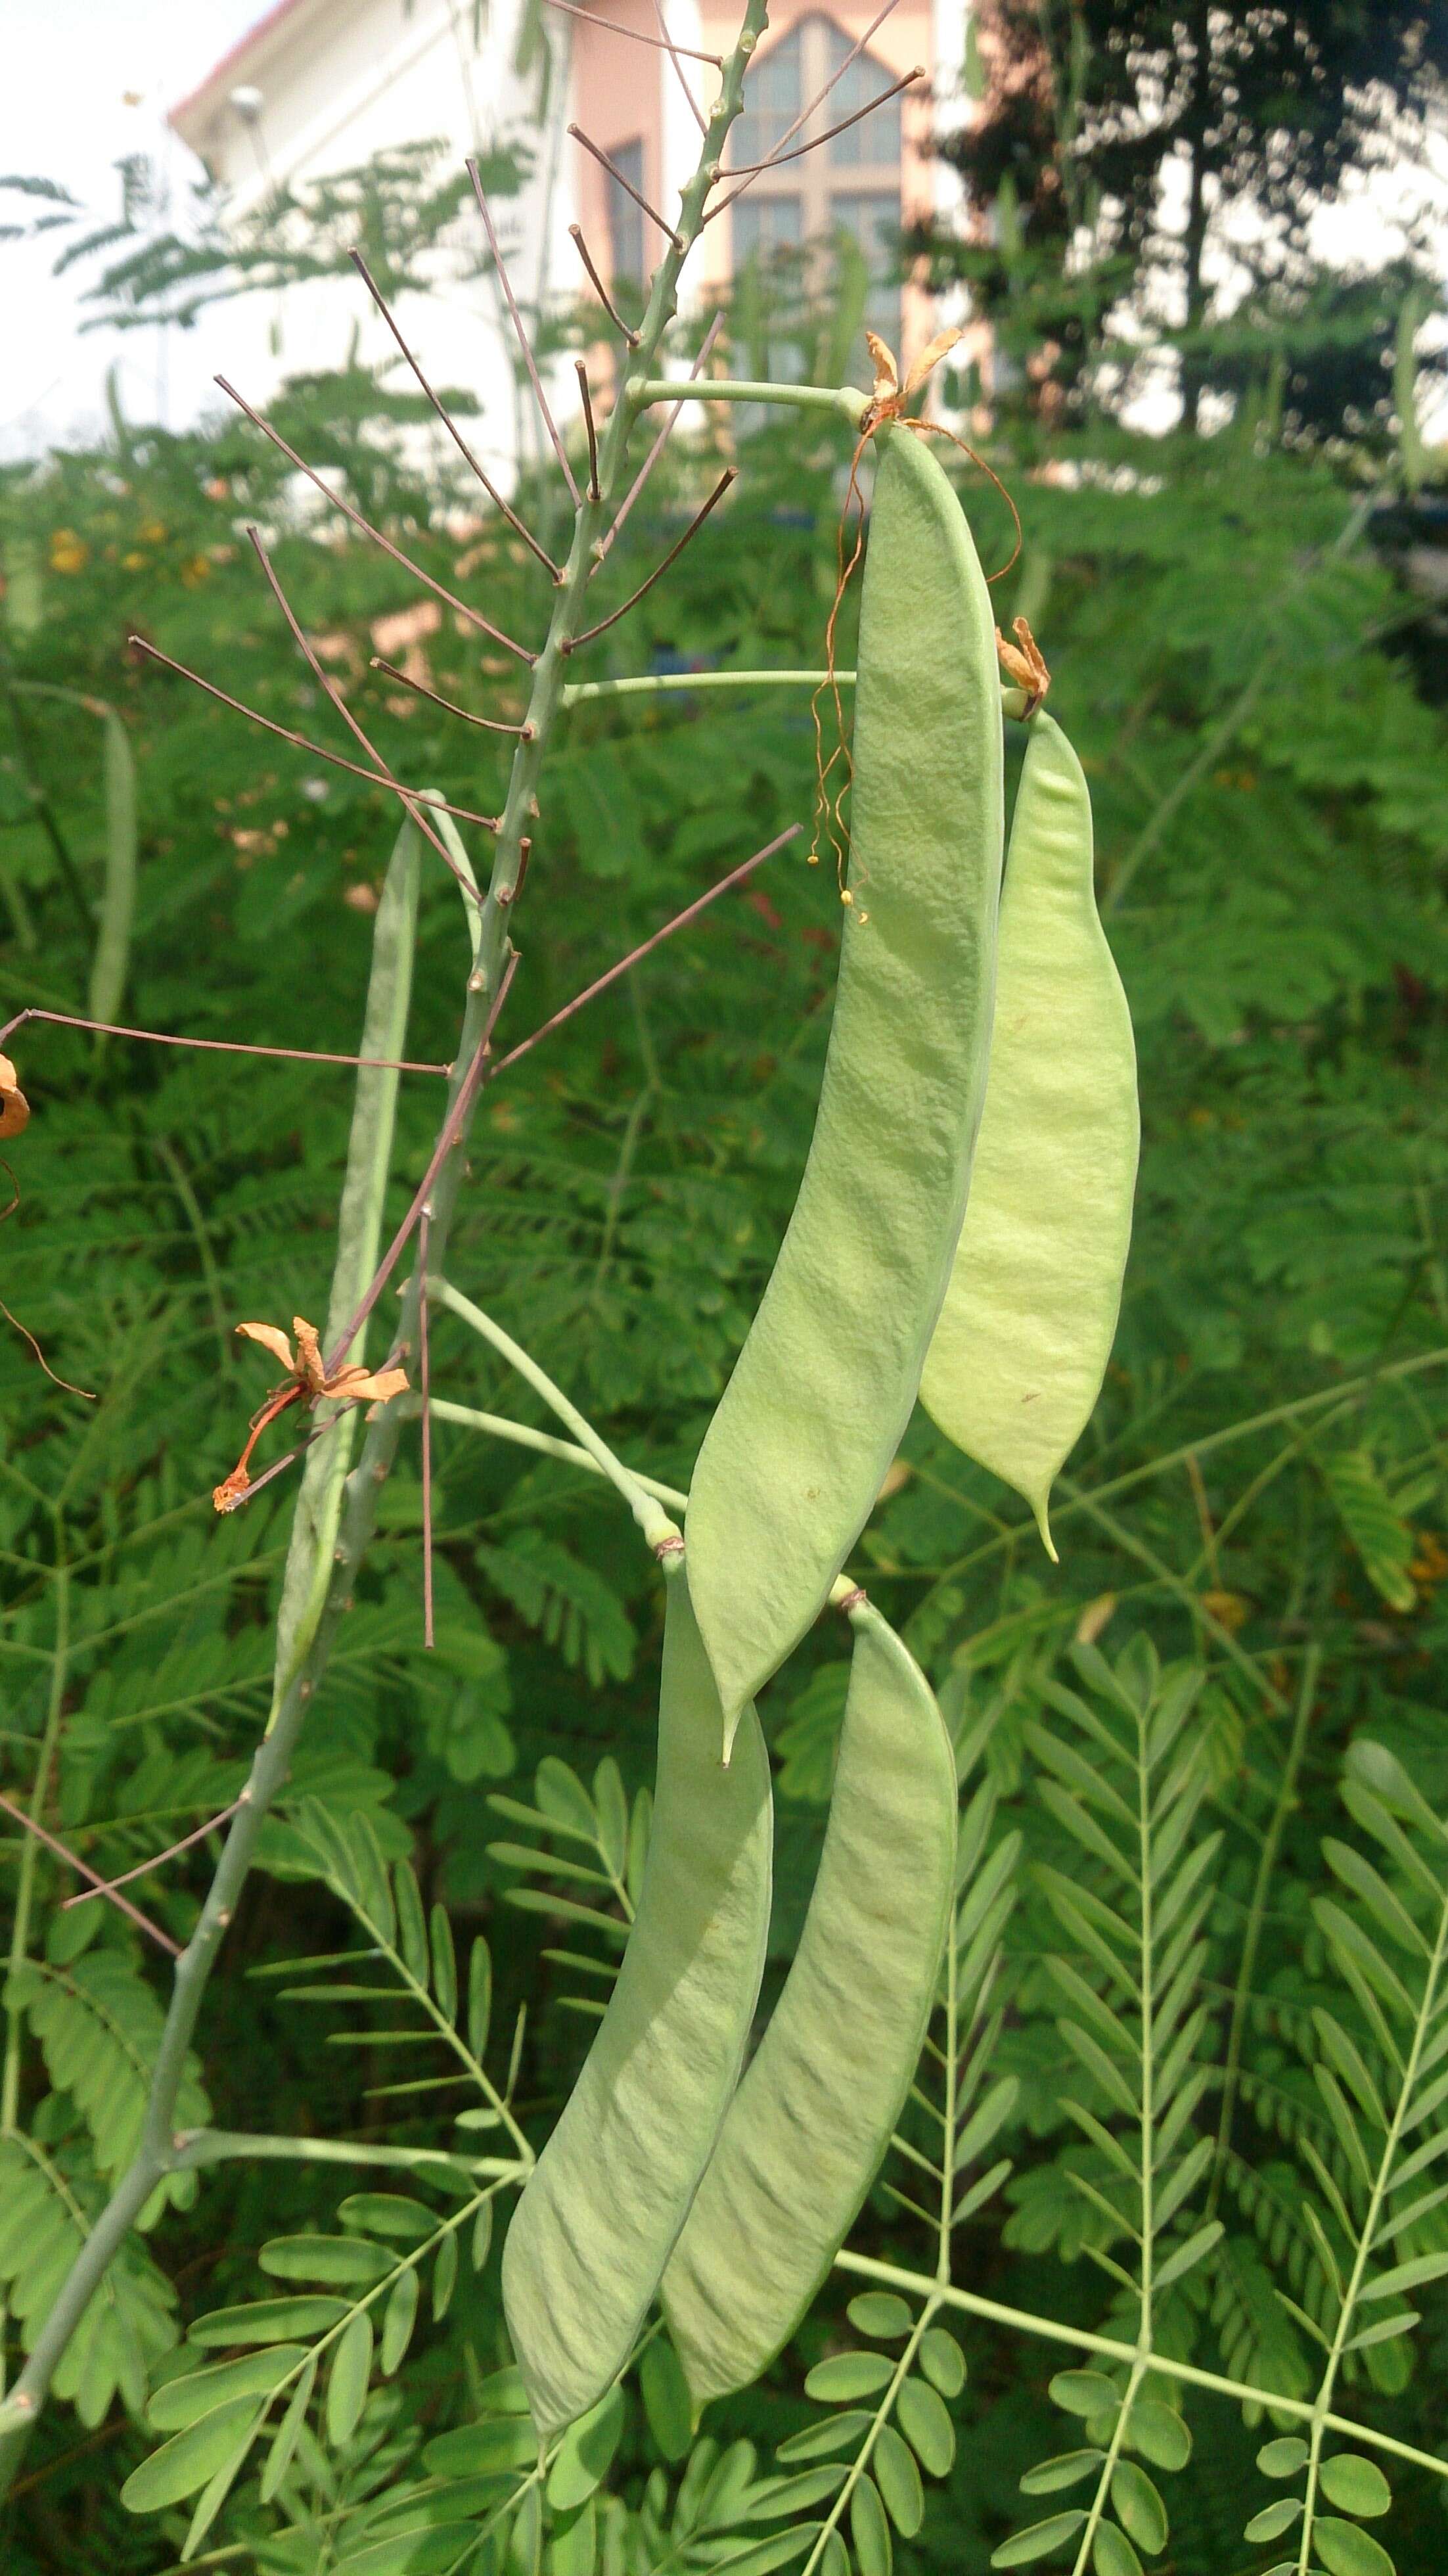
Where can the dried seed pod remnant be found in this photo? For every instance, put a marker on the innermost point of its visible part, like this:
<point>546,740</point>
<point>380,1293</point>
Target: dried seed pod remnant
<point>14,1107</point>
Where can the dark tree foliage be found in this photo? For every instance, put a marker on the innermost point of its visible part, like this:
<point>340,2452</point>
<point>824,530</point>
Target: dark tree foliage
<point>1088,110</point>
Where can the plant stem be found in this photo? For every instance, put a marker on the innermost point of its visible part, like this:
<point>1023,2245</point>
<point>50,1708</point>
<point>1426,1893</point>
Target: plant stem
<point>647,1511</point>
<point>1347,1393</point>
<point>1257,1912</point>
<point>840,400</point>
<point>523,1436</point>
<point>883,2411</point>
<point>1190,1601</point>
<point>196,2147</point>
<point>271,1767</point>
<point>30,1856</point>
<point>894,2276</point>
<point>649,684</point>
<point>1368,2234</point>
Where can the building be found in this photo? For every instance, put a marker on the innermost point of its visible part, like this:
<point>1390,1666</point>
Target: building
<point>319,86</point>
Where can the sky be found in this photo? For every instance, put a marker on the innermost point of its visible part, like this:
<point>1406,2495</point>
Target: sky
<point>87,81</point>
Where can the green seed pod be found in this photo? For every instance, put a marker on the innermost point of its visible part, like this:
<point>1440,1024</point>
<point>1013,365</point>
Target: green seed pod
<point>824,1385</point>
<point>1030,1314</point>
<point>813,2116</point>
<point>602,2207</point>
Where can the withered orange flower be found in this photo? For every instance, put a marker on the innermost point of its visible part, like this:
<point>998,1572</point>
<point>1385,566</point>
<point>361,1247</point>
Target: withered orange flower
<point>14,1107</point>
<point>890,398</point>
<point>309,1383</point>
<point>1024,663</point>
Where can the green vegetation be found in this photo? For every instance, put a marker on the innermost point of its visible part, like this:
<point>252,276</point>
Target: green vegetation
<point>1182,2078</point>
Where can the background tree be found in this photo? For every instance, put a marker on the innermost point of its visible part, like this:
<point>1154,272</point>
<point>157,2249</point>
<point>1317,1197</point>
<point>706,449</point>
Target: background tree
<point>1155,162</point>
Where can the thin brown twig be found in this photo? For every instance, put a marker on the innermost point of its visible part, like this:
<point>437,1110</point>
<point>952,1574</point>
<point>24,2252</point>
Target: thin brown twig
<point>439,589</point>
<point>301,742</point>
<point>672,50</point>
<point>680,921</point>
<point>751,169</point>
<point>222,1046</point>
<point>627,186</point>
<point>143,1868</point>
<point>425,1381</point>
<point>587,400</point>
<point>652,458</point>
<point>676,549</point>
<point>448,1135</point>
<point>524,343</point>
<point>86,1393</point>
<point>490,724</point>
<point>817,101</point>
<point>122,1904</point>
<point>330,690</point>
<point>591,18</point>
<point>445,416</point>
<point>600,290</point>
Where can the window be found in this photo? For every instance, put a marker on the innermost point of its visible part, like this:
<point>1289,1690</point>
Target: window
<point>625,219</point>
<point>849,187</point>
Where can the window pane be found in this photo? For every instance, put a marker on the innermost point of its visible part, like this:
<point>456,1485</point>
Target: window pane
<point>875,141</point>
<point>625,219</point>
<point>773,97</point>
<point>765,224</point>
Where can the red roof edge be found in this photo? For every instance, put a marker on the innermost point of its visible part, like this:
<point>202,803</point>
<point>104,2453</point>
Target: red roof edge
<point>233,61</point>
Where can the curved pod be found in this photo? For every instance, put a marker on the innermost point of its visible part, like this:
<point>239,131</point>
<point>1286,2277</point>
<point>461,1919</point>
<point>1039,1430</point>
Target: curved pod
<point>815,2112</point>
<point>824,1385</point>
<point>1030,1314</point>
<point>607,2197</point>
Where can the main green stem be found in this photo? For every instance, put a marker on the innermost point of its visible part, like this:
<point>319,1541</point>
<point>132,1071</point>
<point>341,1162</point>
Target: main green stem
<point>271,1767</point>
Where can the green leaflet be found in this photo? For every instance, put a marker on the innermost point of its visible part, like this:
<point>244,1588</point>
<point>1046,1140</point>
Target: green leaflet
<point>1030,1314</point>
<point>359,1228</point>
<point>814,2114</point>
<point>824,1385</point>
<point>599,2215</point>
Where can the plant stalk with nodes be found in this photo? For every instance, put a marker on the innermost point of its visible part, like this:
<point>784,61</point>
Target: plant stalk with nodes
<point>316,1592</point>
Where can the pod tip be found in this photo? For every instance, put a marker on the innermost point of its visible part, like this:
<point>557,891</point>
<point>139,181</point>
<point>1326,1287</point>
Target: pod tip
<point>1041,1506</point>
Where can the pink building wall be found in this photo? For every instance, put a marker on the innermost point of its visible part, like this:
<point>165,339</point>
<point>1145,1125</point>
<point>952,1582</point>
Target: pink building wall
<point>618,95</point>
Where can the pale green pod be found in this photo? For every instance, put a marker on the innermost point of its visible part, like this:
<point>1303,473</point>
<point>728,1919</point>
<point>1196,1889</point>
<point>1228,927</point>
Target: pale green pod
<point>814,2114</point>
<point>600,2212</point>
<point>1030,1314</point>
<point>814,1412</point>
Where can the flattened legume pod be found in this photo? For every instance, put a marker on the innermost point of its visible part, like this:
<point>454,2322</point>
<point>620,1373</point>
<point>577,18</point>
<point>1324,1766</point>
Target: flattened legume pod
<point>823,1388</point>
<point>602,2207</point>
<point>813,2116</point>
<point>1030,1313</point>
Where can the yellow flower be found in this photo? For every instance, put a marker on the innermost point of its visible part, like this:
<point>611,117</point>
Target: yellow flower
<point>68,552</point>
